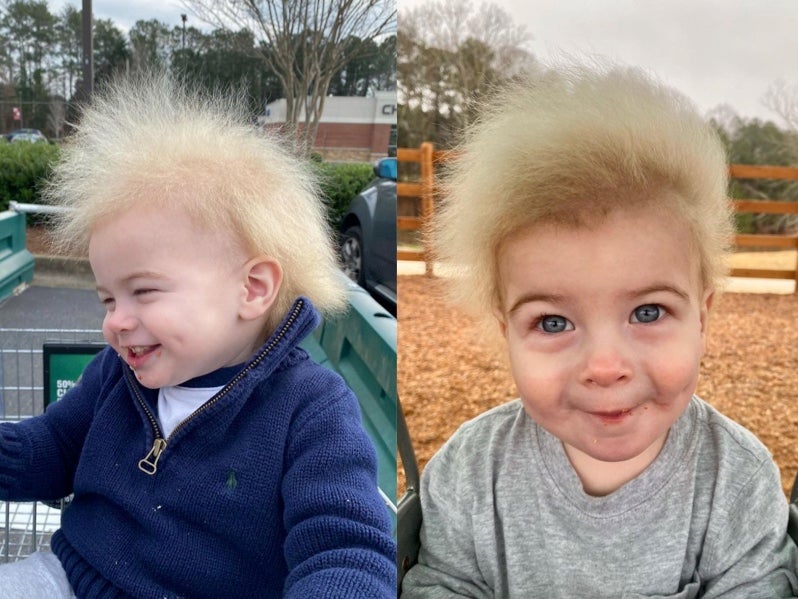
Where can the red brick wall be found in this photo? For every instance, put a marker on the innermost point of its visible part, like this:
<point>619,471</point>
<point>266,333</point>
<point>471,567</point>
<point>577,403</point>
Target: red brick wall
<point>380,136</point>
<point>342,141</point>
<point>344,135</point>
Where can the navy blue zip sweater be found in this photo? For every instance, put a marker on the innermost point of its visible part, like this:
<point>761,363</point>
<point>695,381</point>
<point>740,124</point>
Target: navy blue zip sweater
<point>268,490</point>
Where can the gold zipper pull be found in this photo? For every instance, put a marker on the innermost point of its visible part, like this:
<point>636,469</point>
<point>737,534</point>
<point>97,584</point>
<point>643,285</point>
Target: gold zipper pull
<point>149,465</point>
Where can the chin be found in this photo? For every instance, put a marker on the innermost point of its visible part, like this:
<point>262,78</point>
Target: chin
<point>149,384</point>
<point>152,381</point>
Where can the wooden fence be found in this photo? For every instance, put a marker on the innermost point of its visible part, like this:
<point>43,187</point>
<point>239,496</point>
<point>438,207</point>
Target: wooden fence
<point>786,242</point>
<point>421,193</point>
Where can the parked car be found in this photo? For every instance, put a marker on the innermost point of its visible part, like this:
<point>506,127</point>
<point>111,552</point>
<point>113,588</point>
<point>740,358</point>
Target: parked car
<point>368,236</point>
<point>32,135</point>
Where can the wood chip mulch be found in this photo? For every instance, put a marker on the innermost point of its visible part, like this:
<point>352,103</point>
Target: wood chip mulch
<point>750,371</point>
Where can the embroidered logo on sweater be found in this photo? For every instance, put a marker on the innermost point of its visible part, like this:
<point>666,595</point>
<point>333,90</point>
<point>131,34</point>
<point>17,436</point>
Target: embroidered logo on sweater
<point>232,481</point>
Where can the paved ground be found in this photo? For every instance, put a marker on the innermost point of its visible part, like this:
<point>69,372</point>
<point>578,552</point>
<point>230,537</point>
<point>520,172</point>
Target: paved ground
<point>45,307</point>
<point>59,306</point>
<point>61,296</point>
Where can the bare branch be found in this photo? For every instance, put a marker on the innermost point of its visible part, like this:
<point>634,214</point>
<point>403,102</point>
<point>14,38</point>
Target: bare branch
<point>783,100</point>
<point>304,43</point>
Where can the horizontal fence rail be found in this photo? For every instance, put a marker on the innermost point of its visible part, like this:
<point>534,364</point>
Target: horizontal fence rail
<point>783,242</point>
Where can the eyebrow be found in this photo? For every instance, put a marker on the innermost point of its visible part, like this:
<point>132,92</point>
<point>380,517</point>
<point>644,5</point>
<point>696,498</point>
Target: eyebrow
<point>527,298</point>
<point>660,287</point>
<point>558,298</point>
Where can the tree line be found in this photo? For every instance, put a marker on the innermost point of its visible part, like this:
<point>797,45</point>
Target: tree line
<point>40,62</point>
<point>454,57</point>
<point>451,57</point>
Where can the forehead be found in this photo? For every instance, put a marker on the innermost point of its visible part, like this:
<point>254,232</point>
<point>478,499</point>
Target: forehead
<point>622,252</point>
<point>143,216</point>
<point>165,231</point>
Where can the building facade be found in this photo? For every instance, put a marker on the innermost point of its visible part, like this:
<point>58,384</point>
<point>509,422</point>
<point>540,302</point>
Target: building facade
<point>351,128</point>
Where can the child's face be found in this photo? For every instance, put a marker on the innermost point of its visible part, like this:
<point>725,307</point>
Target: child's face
<point>606,328</point>
<point>173,295</point>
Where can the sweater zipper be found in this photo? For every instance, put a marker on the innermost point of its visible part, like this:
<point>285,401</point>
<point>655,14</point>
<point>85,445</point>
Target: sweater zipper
<point>149,463</point>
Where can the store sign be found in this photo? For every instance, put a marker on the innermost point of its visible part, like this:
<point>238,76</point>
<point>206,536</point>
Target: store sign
<point>63,366</point>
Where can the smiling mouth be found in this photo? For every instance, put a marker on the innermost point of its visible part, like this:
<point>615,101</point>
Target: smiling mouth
<point>137,355</point>
<point>614,416</point>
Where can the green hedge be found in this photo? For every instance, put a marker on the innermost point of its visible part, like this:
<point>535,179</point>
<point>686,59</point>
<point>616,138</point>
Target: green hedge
<point>340,182</point>
<point>23,166</point>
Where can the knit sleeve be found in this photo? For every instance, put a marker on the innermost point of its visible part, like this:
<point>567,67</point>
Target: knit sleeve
<point>39,455</point>
<point>339,542</point>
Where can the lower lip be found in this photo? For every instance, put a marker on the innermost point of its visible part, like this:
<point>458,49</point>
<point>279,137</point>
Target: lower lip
<point>612,417</point>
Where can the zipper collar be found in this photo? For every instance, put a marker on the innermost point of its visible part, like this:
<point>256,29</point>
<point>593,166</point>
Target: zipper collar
<point>217,378</point>
<point>298,323</point>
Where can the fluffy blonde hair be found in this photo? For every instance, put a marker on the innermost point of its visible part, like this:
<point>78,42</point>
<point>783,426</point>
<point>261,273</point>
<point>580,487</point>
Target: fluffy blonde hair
<point>568,148</point>
<point>152,141</point>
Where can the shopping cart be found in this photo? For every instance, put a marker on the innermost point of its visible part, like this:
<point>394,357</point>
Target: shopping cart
<point>29,525</point>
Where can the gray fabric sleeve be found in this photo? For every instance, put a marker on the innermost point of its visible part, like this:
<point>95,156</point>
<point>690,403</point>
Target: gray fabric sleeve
<point>747,552</point>
<point>447,565</point>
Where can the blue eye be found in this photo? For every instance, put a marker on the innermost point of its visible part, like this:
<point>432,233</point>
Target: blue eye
<point>647,313</point>
<point>554,324</point>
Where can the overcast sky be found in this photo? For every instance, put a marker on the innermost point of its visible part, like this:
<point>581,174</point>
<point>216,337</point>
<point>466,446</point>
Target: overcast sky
<point>125,13</point>
<point>714,51</point>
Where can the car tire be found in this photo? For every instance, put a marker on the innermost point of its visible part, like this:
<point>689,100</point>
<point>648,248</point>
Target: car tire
<point>352,255</point>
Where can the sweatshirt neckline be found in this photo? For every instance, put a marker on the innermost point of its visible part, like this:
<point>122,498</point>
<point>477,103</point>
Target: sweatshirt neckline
<point>635,492</point>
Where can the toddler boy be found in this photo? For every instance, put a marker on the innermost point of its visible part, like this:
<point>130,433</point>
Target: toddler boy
<point>208,456</point>
<point>587,215</point>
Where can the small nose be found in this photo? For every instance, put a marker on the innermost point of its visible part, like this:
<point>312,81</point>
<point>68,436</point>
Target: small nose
<point>606,362</point>
<point>119,320</point>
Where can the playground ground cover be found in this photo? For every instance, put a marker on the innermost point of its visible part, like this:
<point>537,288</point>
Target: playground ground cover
<point>750,371</point>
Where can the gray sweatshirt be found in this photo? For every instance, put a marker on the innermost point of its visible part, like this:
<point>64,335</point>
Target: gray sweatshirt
<point>505,515</point>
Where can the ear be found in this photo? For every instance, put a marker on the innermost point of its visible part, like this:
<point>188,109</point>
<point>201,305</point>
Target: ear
<point>262,278</point>
<point>502,321</point>
<point>705,307</point>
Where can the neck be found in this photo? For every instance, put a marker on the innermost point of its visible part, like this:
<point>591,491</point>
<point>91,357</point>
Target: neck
<point>601,478</point>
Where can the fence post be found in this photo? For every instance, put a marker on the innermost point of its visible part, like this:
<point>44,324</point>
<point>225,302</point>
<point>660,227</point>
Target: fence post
<point>796,267</point>
<point>427,205</point>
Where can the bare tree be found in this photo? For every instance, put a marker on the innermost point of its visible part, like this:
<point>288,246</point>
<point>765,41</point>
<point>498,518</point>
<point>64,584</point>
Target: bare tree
<point>448,24</point>
<point>451,54</point>
<point>304,43</point>
<point>782,99</point>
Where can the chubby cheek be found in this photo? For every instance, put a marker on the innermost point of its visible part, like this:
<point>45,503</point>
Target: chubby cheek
<point>674,367</point>
<point>676,379</point>
<point>542,382</point>
<point>544,407</point>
